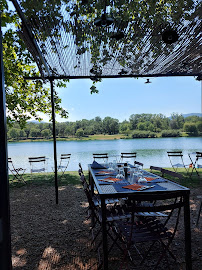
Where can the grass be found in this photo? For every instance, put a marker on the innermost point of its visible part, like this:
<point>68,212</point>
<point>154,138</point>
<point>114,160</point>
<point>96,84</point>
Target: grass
<point>72,178</point>
<point>40,179</point>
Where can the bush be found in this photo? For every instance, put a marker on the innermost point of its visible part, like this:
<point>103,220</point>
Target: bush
<point>170,133</point>
<point>190,128</point>
<point>143,134</point>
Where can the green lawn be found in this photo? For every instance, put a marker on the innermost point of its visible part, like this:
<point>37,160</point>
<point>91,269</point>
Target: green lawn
<point>72,177</point>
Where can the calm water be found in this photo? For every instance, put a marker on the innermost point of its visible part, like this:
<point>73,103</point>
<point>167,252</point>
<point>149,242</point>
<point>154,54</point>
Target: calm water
<point>149,151</point>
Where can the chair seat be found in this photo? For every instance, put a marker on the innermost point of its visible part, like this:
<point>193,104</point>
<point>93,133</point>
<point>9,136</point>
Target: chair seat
<point>38,170</point>
<point>143,231</point>
<point>151,214</point>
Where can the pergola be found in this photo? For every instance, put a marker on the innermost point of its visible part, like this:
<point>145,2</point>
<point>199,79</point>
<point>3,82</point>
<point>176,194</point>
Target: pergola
<point>76,39</point>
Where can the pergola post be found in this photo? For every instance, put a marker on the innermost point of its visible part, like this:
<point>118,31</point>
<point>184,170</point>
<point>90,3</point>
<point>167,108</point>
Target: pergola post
<point>54,140</point>
<point>5,237</point>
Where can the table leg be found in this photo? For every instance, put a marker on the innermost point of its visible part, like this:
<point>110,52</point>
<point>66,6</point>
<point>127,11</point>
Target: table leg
<point>187,233</point>
<point>104,235</point>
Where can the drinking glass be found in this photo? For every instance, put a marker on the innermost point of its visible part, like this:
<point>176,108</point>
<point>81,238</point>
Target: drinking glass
<point>132,178</point>
<point>121,173</point>
<point>110,166</point>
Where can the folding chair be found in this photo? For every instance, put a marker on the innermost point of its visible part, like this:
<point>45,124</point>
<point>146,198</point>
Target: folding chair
<point>103,156</point>
<point>145,229</point>
<point>199,212</point>
<point>113,212</point>
<point>195,164</point>
<point>138,163</point>
<point>37,164</point>
<point>128,156</point>
<point>16,172</point>
<point>177,156</point>
<point>64,162</point>
<point>155,168</point>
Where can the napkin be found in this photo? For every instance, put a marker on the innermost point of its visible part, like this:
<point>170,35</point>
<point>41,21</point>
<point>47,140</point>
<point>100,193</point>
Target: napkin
<point>150,178</point>
<point>96,165</point>
<point>103,172</point>
<point>111,179</point>
<point>137,187</point>
<point>134,187</point>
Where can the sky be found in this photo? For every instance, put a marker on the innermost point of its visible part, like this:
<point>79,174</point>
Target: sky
<point>119,98</point>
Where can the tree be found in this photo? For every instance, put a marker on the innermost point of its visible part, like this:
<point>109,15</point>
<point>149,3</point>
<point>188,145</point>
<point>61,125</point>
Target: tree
<point>14,133</point>
<point>24,99</point>
<point>199,126</point>
<point>79,132</point>
<point>35,132</point>
<point>177,121</point>
<point>190,128</point>
<point>110,125</point>
<point>46,133</point>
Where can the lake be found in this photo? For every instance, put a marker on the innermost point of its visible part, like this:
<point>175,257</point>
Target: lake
<point>149,151</point>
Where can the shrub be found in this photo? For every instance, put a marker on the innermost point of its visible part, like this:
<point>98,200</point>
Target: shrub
<point>190,128</point>
<point>143,134</point>
<point>170,133</point>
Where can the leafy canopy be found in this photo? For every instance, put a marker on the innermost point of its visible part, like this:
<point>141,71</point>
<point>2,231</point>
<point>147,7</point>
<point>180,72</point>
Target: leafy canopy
<point>24,99</point>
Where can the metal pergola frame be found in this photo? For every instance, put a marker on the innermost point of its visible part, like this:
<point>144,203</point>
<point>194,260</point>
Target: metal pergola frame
<point>5,239</point>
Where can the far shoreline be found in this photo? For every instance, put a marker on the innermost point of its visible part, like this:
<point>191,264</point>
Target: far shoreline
<point>95,138</point>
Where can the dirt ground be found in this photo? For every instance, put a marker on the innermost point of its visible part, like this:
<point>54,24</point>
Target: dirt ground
<point>46,236</point>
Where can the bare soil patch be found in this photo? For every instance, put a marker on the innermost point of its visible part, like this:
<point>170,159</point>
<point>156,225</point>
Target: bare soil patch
<point>46,236</point>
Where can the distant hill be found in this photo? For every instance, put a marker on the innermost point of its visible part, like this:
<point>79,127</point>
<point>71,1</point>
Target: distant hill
<point>192,114</point>
<point>35,122</point>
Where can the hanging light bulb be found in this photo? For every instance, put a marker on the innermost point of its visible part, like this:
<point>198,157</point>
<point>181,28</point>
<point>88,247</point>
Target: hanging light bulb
<point>170,36</point>
<point>147,81</point>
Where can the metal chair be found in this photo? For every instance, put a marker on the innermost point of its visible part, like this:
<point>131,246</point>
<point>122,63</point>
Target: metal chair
<point>151,229</point>
<point>199,212</point>
<point>195,164</point>
<point>177,156</point>
<point>138,163</point>
<point>103,156</point>
<point>64,162</point>
<point>114,212</point>
<point>128,156</point>
<point>16,172</point>
<point>37,164</point>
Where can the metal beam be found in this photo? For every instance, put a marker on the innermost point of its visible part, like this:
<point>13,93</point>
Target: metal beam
<point>110,76</point>
<point>30,35</point>
<point>54,140</point>
<point>5,237</point>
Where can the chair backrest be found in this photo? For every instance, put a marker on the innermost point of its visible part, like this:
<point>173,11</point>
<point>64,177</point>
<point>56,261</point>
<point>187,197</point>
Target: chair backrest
<point>155,168</point>
<point>128,156</point>
<point>175,153</point>
<point>37,159</point>
<point>10,164</point>
<point>198,156</point>
<point>103,156</point>
<point>138,163</point>
<point>65,156</point>
<point>163,202</point>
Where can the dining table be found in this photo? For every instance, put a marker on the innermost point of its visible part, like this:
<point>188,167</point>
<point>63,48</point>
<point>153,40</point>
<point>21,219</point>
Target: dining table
<point>99,180</point>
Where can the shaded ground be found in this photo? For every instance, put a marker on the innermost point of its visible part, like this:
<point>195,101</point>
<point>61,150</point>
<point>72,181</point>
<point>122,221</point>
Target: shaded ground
<point>47,236</point>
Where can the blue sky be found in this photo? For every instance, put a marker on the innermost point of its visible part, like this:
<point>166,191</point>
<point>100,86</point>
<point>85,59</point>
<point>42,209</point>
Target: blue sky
<point>119,98</point>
